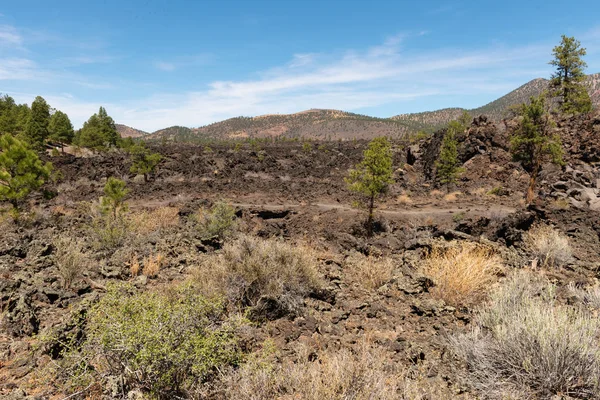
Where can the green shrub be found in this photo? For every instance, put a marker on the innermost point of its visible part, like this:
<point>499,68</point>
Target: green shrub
<point>526,344</point>
<point>218,223</point>
<point>160,342</point>
<point>458,216</point>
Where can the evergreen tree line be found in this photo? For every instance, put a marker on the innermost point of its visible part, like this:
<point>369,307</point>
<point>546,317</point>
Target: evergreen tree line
<point>40,125</point>
<point>25,131</point>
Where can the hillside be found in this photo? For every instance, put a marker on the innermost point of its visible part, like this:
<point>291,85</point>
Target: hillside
<point>314,124</point>
<point>334,124</point>
<point>127,131</point>
<point>497,109</point>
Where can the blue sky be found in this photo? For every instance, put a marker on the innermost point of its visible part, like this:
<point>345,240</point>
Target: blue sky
<point>154,64</point>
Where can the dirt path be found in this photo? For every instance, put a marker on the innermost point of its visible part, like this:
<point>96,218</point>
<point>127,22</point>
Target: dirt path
<point>480,210</point>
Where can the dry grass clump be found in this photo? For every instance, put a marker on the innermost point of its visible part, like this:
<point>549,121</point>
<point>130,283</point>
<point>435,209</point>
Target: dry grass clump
<point>134,265</point>
<point>436,193</point>
<point>588,296</point>
<point>371,272</point>
<point>479,191</point>
<point>452,197</point>
<point>404,199</point>
<point>333,375</point>
<point>69,259</point>
<point>560,204</point>
<point>526,344</point>
<point>250,271</point>
<point>548,245</point>
<point>150,265</point>
<point>462,272</point>
<point>162,218</point>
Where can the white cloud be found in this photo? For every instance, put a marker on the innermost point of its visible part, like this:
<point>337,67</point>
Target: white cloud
<point>10,37</point>
<point>165,66</point>
<point>369,78</point>
<point>182,62</point>
<point>383,75</point>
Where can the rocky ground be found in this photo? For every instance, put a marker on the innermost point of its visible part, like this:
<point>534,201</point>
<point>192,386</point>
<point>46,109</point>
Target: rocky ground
<point>285,190</point>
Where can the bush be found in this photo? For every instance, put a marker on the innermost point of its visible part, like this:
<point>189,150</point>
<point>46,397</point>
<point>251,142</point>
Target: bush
<point>218,223</point>
<point>548,245</point>
<point>160,342</point>
<point>590,296</point>
<point>109,231</point>
<point>462,272</point>
<point>155,221</point>
<point>526,344</point>
<point>329,374</point>
<point>371,272</point>
<point>252,272</point>
<point>70,259</point>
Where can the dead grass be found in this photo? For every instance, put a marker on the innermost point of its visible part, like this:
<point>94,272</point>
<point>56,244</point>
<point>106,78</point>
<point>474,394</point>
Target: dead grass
<point>560,204</point>
<point>365,374</point>
<point>479,191</point>
<point>404,199</point>
<point>452,197</point>
<point>588,296</point>
<point>152,265</point>
<point>370,272</point>
<point>250,270</point>
<point>550,246</point>
<point>162,218</point>
<point>525,345</point>
<point>461,272</point>
<point>134,265</point>
<point>70,259</point>
<point>436,193</point>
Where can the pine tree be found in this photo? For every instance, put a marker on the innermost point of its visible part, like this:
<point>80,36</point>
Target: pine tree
<point>113,200</point>
<point>567,81</point>
<point>61,129</point>
<point>532,142</point>
<point>98,132</point>
<point>21,170</point>
<point>144,161</point>
<point>373,175</point>
<point>37,126</point>
<point>448,167</point>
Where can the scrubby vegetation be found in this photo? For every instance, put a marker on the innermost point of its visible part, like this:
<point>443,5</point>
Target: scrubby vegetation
<point>548,245</point>
<point>113,286</point>
<point>525,344</point>
<point>251,272</point>
<point>218,222</point>
<point>462,272</point>
<point>166,343</point>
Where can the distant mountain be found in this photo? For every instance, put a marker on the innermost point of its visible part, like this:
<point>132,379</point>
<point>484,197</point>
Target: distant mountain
<point>334,124</point>
<point>497,109</point>
<point>314,124</point>
<point>127,131</point>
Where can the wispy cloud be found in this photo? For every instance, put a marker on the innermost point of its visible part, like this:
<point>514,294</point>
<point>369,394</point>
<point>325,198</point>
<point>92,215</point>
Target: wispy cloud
<point>9,36</point>
<point>370,77</point>
<point>183,62</point>
<point>391,74</point>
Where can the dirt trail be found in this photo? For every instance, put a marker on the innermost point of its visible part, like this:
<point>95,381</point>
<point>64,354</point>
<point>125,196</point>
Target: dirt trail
<point>487,210</point>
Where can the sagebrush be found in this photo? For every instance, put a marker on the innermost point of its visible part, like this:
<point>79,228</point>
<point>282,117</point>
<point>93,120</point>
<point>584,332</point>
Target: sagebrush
<point>526,344</point>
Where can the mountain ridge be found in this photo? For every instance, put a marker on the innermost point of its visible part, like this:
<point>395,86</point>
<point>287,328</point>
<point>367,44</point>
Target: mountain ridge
<point>332,124</point>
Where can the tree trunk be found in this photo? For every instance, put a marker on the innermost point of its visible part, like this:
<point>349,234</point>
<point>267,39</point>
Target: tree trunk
<point>532,182</point>
<point>370,218</point>
<point>146,178</point>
